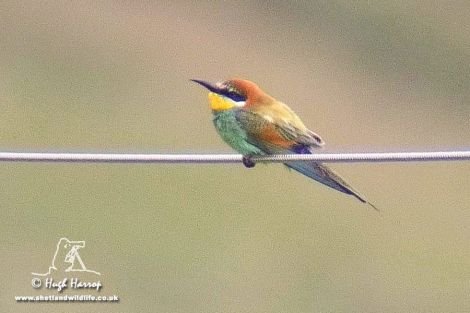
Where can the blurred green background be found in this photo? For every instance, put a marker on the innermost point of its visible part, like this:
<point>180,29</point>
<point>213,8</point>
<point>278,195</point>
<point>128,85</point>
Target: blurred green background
<point>112,76</point>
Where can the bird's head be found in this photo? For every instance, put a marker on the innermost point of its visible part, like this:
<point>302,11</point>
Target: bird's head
<point>233,93</point>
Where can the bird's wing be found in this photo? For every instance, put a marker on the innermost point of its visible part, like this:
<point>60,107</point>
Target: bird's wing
<point>276,131</point>
<point>304,137</point>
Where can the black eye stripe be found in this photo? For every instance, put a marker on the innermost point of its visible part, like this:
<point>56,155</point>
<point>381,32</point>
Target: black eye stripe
<point>233,95</point>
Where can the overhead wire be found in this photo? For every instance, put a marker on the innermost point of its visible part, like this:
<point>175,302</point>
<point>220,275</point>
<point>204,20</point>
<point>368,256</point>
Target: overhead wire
<point>233,158</point>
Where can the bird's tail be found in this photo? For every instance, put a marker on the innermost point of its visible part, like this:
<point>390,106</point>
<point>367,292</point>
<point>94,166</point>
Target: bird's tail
<point>326,176</point>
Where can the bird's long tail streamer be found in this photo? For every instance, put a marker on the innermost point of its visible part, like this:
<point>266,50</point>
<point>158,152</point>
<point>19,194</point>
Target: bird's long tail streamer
<point>326,176</point>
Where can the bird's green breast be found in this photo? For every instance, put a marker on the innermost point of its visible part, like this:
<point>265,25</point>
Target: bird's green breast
<point>232,132</point>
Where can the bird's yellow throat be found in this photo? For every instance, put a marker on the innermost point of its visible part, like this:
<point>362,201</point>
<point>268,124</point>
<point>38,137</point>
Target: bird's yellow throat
<point>219,103</point>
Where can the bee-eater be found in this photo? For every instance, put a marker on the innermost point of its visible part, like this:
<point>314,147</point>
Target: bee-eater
<point>254,123</point>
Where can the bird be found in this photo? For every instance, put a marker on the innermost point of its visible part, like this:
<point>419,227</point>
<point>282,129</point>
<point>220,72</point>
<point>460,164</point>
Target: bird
<point>255,124</point>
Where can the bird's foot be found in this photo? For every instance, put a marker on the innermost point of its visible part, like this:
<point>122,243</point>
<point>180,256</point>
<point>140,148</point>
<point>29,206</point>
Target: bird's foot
<point>248,162</point>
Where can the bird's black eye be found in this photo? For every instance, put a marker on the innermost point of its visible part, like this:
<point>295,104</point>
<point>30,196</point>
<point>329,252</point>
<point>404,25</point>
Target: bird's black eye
<point>233,94</point>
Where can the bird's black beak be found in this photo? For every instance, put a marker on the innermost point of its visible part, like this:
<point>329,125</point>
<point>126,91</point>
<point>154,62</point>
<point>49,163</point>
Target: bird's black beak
<point>212,87</point>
